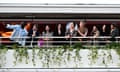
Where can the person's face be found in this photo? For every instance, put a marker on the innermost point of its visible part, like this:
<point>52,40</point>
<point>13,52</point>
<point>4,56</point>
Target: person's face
<point>71,25</point>
<point>81,24</point>
<point>34,28</point>
<point>94,28</point>
<point>59,26</point>
<point>104,26</point>
<point>112,27</point>
<point>47,28</point>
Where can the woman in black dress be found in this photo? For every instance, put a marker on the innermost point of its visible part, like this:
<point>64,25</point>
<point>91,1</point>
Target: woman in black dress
<point>32,34</point>
<point>104,32</point>
<point>58,32</point>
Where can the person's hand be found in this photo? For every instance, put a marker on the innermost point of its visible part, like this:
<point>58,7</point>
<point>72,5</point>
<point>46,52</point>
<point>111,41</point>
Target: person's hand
<point>46,39</point>
<point>33,35</point>
<point>84,35</point>
<point>94,36</point>
<point>80,39</point>
<point>68,36</point>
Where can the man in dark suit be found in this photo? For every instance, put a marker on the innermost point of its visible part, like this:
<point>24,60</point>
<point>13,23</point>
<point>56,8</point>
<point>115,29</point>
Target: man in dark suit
<point>114,31</point>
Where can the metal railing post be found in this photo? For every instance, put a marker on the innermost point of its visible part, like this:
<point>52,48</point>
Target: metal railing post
<point>47,43</point>
<point>70,41</point>
<point>0,41</point>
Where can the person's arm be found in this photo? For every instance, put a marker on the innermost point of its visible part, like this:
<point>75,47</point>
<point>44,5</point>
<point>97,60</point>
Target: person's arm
<point>67,34</point>
<point>24,39</point>
<point>12,26</point>
<point>26,33</point>
<point>113,34</point>
<point>97,34</point>
<point>74,34</point>
<point>81,33</point>
<point>86,32</point>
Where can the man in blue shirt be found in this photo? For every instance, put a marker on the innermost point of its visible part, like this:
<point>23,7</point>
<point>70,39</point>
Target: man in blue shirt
<point>18,34</point>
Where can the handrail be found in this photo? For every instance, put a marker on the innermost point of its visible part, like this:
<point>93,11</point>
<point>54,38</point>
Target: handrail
<point>91,40</point>
<point>62,37</point>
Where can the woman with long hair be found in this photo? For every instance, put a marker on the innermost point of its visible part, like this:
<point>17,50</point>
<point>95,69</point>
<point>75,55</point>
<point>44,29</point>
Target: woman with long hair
<point>47,33</point>
<point>32,34</point>
<point>71,32</point>
<point>58,32</point>
<point>82,30</point>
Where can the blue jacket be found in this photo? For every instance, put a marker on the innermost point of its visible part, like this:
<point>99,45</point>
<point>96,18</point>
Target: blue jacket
<point>19,33</point>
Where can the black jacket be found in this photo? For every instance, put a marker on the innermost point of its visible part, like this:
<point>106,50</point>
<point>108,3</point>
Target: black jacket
<point>114,33</point>
<point>34,39</point>
<point>56,34</point>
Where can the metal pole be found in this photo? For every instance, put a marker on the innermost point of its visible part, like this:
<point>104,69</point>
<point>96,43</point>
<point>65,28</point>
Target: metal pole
<point>0,42</point>
<point>32,43</point>
<point>70,42</point>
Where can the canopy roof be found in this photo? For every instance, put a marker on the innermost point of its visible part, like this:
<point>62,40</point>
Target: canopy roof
<point>63,1</point>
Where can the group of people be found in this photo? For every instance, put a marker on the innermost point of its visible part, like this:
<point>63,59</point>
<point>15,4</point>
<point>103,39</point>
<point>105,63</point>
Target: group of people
<point>72,30</point>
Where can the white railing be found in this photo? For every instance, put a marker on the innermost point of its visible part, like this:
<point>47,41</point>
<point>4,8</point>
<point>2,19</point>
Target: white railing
<point>89,39</point>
